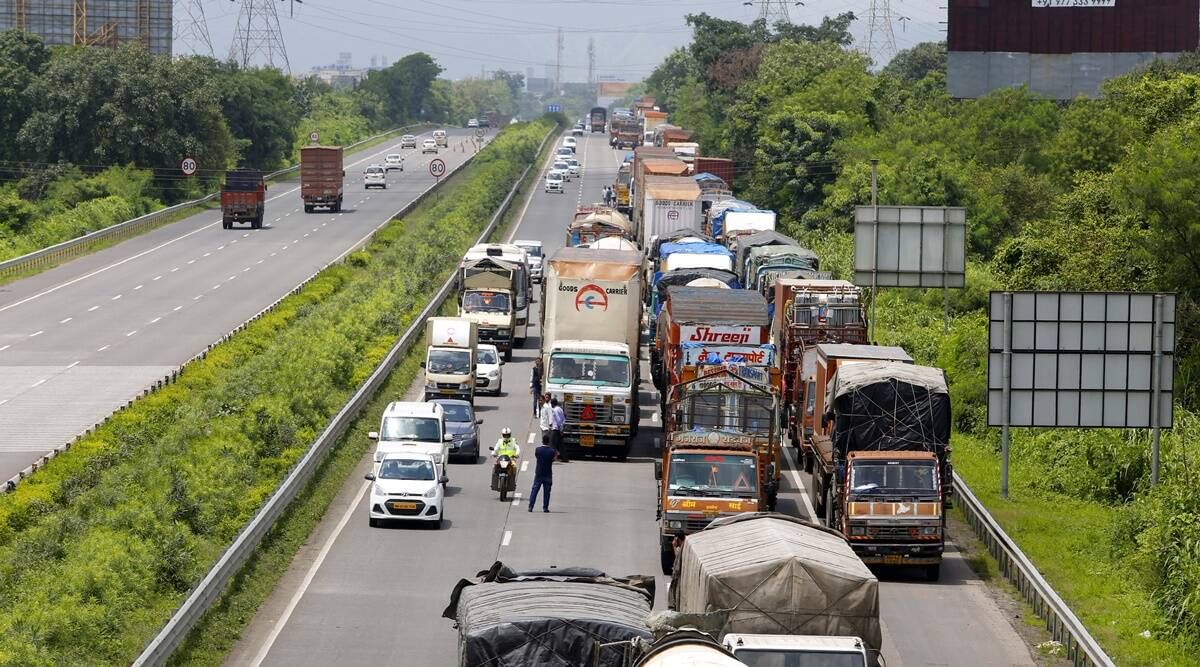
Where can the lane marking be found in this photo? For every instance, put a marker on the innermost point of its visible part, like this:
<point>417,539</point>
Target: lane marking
<point>174,269</point>
<point>73,364</point>
<point>155,320</point>
<point>221,248</point>
<point>131,333</point>
<point>191,261</point>
<point>158,277</point>
<point>282,621</point>
<point>217,286</point>
<point>36,333</point>
<point>93,308</point>
<point>654,417</point>
<point>524,466</point>
<point>516,499</point>
<point>234,241</point>
<point>794,471</point>
<point>245,269</point>
<point>65,320</point>
<point>39,382</point>
<point>197,297</point>
<point>207,254</point>
<point>2,402</point>
<point>507,538</point>
<point>177,309</point>
<point>104,348</point>
<point>260,261</point>
<point>138,287</point>
<point>232,277</point>
<point>248,233</point>
<point>530,441</point>
<point>5,348</point>
<point>116,297</point>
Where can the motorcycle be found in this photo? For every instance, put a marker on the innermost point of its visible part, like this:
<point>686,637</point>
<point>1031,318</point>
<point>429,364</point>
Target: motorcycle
<point>504,476</point>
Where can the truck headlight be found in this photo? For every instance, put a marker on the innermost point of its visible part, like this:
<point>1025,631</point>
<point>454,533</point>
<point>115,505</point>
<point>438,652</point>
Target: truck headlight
<point>618,416</point>
<point>675,525</point>
<point>430,384</point>
<point>930,530</point>
<point>858,530</point>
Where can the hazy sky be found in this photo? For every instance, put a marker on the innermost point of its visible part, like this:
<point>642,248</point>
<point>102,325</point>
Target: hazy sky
<point>631,36</point>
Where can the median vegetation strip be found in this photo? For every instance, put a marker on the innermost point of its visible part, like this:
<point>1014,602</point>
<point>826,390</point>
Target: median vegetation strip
<point>99,547</point>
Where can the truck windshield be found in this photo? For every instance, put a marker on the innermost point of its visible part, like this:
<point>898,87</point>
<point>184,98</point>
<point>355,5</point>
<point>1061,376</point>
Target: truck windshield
<point>867,476</point>
<point>406,469</point>
<point>798,658</point>
<point>425,429</point>
<point>712,474</point>
<point>448,361</point>
<point>597,369</point>
<point>486,302</point>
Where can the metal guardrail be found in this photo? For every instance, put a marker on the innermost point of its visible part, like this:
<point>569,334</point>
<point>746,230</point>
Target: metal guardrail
<point>55,254</point>
<point>206,593</point>
<point>1081,648</point>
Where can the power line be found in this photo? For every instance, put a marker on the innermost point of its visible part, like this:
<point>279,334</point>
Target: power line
<point>191,27</point>
<point>258,38</point>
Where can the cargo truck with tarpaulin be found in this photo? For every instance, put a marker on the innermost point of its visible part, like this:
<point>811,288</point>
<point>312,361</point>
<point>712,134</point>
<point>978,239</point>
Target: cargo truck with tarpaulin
<point>591,325</point>
<point>518,258</point>
<point>735,221</point>
<point>715,278</point>
<point>597,119</point>
<point>554,616</point>
<point>667,204</point>
<point>322,177</point>
<point>487,289</point>
<point>594,222</point>
<point>690,254</point>
<point>769,261</point>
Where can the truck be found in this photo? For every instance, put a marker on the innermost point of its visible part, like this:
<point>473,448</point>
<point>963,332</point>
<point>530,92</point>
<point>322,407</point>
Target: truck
<point>881,459</point>
<point>666,135</point>
<point>678,257</point>
<point>550,616</point>
<point>667,204</point>
<point>626,132</point>
<point>621,186</point>
<point>742,245</point>
<point>687,151</point>
<point>518,257</point>
<point>598,119</point>
<point>450,358</point>
<point>642,105</point>
<point>808,313</point>
<point>651,119</point>
<point>321,177</point>
<point>412,427</point>
<point>720,167</point>
<point>591,321</point>
<point>783,592</point>
<point>769,261</point>
<point>596,221</point>
<point>243,198</point>
<point>487,289</point>
<point>707,316</point>
<point>735,221</point>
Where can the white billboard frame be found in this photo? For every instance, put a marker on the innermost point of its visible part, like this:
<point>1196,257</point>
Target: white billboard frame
<point>910,246</point>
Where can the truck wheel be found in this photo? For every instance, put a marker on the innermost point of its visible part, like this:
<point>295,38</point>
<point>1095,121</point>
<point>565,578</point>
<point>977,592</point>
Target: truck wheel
<point>508,354</point>
<point>308,208</point>
<point>818,502</point>
<point>933,572</point>
<point>667,559</point>
<point>808,461</point>
<point>225,224</point>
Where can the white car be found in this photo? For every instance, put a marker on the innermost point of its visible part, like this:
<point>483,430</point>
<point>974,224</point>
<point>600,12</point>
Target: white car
<point>573,167</point>
<point>577,131</point>
<point>554,182</point>
<point>488,374</point>
<point>408,141</point>
<point>474,122</point>
<point>374,176</point>
<point>562,166</point>
<point>563,153</point>
<point>413,427</point>
<point>405,487</point>
<point>570,142</point>
<point>429,146</point>
<point>534,250</point>
<point>394,161</point>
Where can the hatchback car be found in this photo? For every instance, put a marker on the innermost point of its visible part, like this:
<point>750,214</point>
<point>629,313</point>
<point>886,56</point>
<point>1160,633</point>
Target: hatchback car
<point>554,182</point>
<point>573,167</point>
<point>488,374</point>
<point>562,166</point>
<point>406,487</point>
<point>408,141</point>
<point>429,146</point>
<point>374,176</point>
<point>577,131</point>
<point>462,424</point>
<point>474,122</point>
<point>563,152</point>
<point>394,161</point>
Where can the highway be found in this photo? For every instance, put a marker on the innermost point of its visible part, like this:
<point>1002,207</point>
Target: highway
<point>360,595</point>
<point>80,340</point>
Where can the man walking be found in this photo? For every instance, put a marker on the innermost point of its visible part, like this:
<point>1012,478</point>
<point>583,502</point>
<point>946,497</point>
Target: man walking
<point>543,475</point>
<point>558,420</point>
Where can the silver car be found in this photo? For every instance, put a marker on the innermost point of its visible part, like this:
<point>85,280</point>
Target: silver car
<point>408,141</point>
<point>554,182</point>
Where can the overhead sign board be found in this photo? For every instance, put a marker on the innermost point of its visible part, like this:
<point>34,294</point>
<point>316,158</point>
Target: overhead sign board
<point>1081,359</point>
<point>553,108</point>
<point>910,246</point>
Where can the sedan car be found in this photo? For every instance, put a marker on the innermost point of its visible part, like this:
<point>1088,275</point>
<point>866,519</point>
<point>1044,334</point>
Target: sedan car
<point>406,487</point>
<point>394,161</point>
<point>554,182</point>
<point>570,142</point>
<point>562,166</point>
<point>488,376</point>
<point>573,167</point>
<point>564,152</point>
<point>408,141</point>
<point>463,426</point>
<point>374,176</point>
<point>534,249</point>
<point>429,146</point>
<point>577,131</point>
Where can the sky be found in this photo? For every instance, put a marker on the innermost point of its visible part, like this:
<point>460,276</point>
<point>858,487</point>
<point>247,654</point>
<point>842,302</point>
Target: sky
<point>470,36</point>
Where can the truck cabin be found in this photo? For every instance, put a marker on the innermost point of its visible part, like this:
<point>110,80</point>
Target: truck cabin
<point>486,301</point>
<point>712,473</point>
<point>448,361</point>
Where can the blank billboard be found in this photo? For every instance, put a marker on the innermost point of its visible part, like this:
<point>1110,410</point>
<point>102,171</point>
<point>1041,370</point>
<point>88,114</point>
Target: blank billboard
<point>910,246</point>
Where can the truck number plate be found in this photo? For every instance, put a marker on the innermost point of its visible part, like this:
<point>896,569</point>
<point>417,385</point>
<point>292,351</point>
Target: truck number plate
<point>447,392</point>
<point>892,560</point>
<point>587,441</point>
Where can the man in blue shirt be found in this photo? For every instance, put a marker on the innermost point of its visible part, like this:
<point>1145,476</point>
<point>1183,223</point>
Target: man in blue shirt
<point>543,474</point>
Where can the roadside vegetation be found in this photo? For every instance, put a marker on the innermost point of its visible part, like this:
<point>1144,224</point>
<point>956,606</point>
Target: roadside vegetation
<point>98,548</point>
<point>1086,195</point>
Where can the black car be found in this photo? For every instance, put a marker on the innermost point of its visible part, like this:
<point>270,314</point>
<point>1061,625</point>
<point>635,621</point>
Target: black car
<point>462,424</point>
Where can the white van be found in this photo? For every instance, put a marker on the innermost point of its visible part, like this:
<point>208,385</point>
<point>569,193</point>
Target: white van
<point>409,426</point>
<point>439,138</point>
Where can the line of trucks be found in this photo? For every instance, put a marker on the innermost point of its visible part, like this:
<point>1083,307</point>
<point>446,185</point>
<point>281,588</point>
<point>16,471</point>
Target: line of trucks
<point>322,177</point>
<point>751,347</point>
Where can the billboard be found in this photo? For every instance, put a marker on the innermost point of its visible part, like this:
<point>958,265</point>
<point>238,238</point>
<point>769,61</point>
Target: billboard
<point>910,246</point>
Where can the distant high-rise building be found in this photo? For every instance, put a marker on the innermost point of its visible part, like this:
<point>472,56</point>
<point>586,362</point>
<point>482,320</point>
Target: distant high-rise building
<point>345,58</point>
<point>93,22</point>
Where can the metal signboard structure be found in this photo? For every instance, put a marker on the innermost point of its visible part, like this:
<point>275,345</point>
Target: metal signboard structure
<point>1081,360</point>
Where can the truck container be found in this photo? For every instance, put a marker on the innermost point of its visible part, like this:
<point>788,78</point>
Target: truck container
<point>559,616</point>
<point>667,204</point>
<point>712,190</point>
<point>591,312</point>
<point>713,218</point>
<point>687,151</point>
<point>735,221</point>
<point>720,167</point>
<point>626,132</point>
<point>487,289</point>
<point>682,278</point>
<point>708,316</point>
<point>667,135</point>
<point>598,119</point>
<point>775,575</point>
<point>321,177</point>
<point>650,161</point>
<point>642,105</point>
<point>450,358</point>
<point>742,245</point>
<point>518,257</point>
<point>596,221</point>
<point>243,198</point>
<point>651,120</point>
<point>882,460</point>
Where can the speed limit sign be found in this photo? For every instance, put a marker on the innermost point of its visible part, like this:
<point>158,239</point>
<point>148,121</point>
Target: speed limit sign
<point>188,166</point>
<point>314,137</point>
<point>479,132</point>
<point>437,168</point>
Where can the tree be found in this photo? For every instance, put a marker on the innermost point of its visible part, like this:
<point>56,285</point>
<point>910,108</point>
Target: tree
<point>714,39</point>
<point>835,30</point>
<point>514,80</point>
<point>23,56</point>
<point>404,86</point>
<point>665,81</point>
<point>259,107</point>
<point>912,65</point>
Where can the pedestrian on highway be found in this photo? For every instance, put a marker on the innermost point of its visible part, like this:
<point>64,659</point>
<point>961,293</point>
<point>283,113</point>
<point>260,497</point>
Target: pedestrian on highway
<point>546,415</point>
<point>543,474</point>
<point>558,419</point>
<point>535,384</point>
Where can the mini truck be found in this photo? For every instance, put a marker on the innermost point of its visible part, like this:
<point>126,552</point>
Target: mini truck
<point>591,321</point>
<point>487,296</point>
<point>243,198</point>
<point>322,177</point>
<point>450,358</point>
<point>518,257</point>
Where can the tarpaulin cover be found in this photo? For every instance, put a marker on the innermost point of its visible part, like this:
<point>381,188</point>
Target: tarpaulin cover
<point>555,618</point>
<point>686,277</point>
<point>707,305</point>
<point>890,406</point>
<point>775,574</point>
<point>719,209</point>
<point>675,236</point>
<point>768,237</point>
<point>668,249</point>
<point>779,257</point>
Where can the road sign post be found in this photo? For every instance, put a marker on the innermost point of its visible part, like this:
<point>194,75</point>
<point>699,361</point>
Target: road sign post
<point>437,169</point>
<point>188,166</point>
<point>314,137</point>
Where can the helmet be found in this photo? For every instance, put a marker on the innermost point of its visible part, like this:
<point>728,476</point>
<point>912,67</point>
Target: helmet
<point>507,432</point>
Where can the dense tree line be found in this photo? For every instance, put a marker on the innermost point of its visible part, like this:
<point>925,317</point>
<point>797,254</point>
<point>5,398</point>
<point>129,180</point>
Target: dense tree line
<point>1090,194</point>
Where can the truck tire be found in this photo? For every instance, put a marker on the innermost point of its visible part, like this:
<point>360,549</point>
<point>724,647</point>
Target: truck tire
<point>808,461</point>
<point>818,501</point>
<point>508,354</point>
<point>933,572</point>
<point>226,224</point>
<point>308,208</point>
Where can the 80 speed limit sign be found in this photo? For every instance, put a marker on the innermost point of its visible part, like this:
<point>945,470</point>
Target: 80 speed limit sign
<point>188,166</point>
<point>437,168</point>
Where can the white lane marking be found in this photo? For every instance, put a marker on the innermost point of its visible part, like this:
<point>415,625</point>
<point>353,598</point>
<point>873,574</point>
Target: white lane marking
<point>159,277</point>
<point>248,233</point>
<point>221,248</point>
<point>524,465</point>
<point>155,320</point>
<point>131,333</point>
<point>260,261</point>
<point>217,286</point>
<point>65,320</point>
<point>234,241</point>
<point>530,441</point>
<point>295,240</point>
<point>116,297</point>
<point>207,254</point>
<point>191,261</point>
<point>104,348</point>
<point>507,538</point>
<point>516,499</point>
<point>245,269</point>
<point>232,277</point>
<point>306,236</point>
<point>39,383</point>
<point>282,621</point>
<point>280,218</point>
<point>2,402</point>
<point>794,471</point>
<point>93,308</point>
<point>73,364</point>
<point>174,269</point>
<point>274,253</point>
<point>36,333</point>
<point>5,348</point>
<point>138,287</point>
<point>197,297</point>
<point>176,309</point>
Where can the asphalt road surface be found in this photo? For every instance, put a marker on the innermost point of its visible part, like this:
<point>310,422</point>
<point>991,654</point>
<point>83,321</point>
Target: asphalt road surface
<point>80,340</point>
<point>374,596</point>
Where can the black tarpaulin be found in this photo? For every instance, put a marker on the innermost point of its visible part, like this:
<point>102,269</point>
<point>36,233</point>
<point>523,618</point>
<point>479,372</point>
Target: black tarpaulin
<point>888,406</point>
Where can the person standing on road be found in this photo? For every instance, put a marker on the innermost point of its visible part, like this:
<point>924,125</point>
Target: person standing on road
<point>558,419</point>
<point>535,384</point>
<point>545,415</point>
<point>543,475</point>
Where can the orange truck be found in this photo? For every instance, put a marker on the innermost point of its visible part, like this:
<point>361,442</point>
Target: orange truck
<point>321,177</point>
<point>243,198</point>
<point>880,454</point>
<point>704,321</point>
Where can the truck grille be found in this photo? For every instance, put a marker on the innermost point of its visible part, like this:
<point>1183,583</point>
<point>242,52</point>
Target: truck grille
<point>693,525</point>
<point>448,385</point>
<point>493,334</point>
<point>598,413</point>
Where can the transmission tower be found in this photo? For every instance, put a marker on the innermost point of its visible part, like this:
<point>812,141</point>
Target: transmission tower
<point>191,27</point>
<point>591,60</point>
<point>774,11</point>
<point>881,40</point>
<point>558,63</point>
<point>259,39</point>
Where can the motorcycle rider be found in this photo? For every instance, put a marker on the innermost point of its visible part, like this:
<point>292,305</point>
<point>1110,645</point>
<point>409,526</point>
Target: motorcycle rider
<point>505,446</point>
